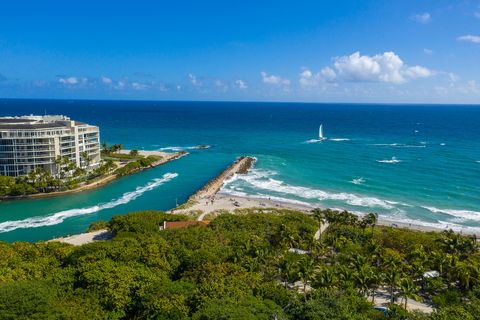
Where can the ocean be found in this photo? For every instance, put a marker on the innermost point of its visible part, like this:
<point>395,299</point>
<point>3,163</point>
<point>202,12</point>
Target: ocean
<point>417,164</point>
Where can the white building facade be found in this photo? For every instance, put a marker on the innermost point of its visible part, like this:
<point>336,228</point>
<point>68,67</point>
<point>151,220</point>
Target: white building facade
<point>30,142</point>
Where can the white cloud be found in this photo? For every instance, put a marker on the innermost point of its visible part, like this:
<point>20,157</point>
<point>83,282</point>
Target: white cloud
<point>193,79</point>
<point>328,74</point>
<point>139,86</point>
<point>428,52</point>
<point>308,79</point>
<point>422,17</point>
<point>242,85</point>
<point>274,80</point>
<point>417,72</point>
<point>106,80</point>
<point>453,77</point>
<point>120,85</point>
<point>469,38</point>
<point>219,84</point>
<point>69,80</point>
<point>473,87</point>
<point>386,67</point>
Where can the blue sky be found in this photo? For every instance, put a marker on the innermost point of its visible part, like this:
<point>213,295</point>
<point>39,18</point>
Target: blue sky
<point>312,51</point>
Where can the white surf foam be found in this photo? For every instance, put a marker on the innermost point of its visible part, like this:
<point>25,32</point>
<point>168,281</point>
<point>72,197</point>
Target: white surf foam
<point>462,214</point>
<point>399,145</point>
<point>59,217</point>
<point>312,141</point>
<point>171,149</point>
<point>358,181</point>
<point>179,148</point>
<point>339,139</point>
<point>440,225</point>
<point>393,160</point>
<point>442,144</point>
<point>262,180</point>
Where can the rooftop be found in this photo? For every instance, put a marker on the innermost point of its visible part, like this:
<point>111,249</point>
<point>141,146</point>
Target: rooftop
<point>36,122</point>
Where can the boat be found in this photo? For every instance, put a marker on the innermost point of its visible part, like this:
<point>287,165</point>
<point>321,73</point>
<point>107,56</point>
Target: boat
<point>320,133</point>
<point>320,136</point>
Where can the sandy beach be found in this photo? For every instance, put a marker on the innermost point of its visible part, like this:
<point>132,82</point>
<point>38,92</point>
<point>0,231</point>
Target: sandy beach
<point>223,201</point>
<point>84,238</point>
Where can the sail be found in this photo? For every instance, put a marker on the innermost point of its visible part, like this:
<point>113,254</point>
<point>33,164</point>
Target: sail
<point>320,132</point>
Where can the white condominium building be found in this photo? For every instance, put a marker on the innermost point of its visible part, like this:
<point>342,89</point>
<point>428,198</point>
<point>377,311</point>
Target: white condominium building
<point>30,142</point>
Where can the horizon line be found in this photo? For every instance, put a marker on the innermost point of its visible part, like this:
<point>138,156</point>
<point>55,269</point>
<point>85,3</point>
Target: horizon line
<point>251,101</point>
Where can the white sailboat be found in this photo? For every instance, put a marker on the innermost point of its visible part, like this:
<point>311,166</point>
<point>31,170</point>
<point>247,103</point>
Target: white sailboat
<point>320,133</point>
<point>320,136</point>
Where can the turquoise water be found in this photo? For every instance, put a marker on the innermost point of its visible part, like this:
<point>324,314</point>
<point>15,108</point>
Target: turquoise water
<point>417,164</point>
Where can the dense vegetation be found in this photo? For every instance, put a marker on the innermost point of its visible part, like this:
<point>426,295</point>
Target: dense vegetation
<point>69,177</point>
<point>133,166</point>
<point>240,267</point>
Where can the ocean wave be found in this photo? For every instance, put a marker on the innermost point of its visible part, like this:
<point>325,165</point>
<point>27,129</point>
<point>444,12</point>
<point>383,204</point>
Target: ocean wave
<point>400,145</point>
<point>462,214</point>
<point>358,181</point>
<point>261,180</point>
<point>440,225</point>
<point>312,141</point>
<point>339,139</point>
<point>59,217</point>
<point>179,148</point>
<point>393,160</point>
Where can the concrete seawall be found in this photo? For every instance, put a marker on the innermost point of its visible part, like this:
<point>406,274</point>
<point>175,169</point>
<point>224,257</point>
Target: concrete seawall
<point>241,166</point>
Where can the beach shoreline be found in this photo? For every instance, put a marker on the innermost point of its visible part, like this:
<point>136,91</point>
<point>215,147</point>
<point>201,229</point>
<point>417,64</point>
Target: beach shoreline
<point>227,202</point>
<point>211,198</point>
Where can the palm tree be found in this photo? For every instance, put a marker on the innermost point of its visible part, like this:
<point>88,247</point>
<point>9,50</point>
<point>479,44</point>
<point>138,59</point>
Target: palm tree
<point>324,277</point>
<point>345,275</point>
<point>287,270</point>
<point>391,278</point>
<point>371,220</point>
<point>306,273</point>
<point>364,278</point>
<point>467,274</point>
<point>85,158</point>
<point>105,148</point>
<point>134,153</point>
<point>319,216</point>
<point>409,290</point>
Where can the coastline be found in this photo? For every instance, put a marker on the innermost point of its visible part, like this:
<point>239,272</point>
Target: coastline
<point>102,181</point>
<point>210,200</point>
<point>227,202</point>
